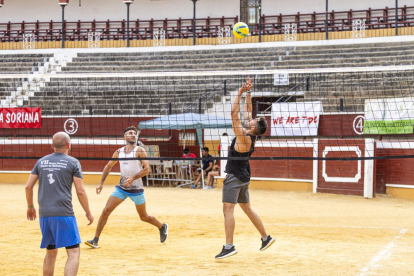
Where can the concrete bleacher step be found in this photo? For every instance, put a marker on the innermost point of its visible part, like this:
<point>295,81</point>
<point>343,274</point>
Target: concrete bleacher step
<point>213,60</point>
<point>182,56</point>
<point>360,46</point>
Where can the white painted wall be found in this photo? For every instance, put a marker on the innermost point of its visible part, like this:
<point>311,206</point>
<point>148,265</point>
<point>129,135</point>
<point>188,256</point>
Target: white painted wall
<point>273,7</point>
<point>46,10</point>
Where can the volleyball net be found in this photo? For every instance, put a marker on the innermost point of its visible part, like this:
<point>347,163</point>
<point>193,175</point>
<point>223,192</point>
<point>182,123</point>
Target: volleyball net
<point>344,110</point>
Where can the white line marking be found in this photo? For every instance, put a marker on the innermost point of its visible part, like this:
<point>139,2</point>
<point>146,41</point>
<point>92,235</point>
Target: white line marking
<point>296,225</point>
<point>383,254</point>
<point>13,222</point>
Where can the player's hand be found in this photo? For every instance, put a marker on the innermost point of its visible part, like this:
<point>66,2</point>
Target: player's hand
<point>90,218</point>
<point>247,86</point>
<point>99,189</point>
<point>31,213</point>
<point>128,181</point>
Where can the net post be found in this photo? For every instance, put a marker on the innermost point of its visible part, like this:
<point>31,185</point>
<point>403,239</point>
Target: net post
<point>369,168</point>
<point>199,105</point>
<point>257,109</point>
<point>341,105</point>
<point>90,110</point>
<point>225,88</point>
<point>307,84</point>
<point>315,166</point>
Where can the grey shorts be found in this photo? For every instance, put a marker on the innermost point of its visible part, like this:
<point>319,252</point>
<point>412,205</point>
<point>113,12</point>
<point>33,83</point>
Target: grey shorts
<point>234,190</point>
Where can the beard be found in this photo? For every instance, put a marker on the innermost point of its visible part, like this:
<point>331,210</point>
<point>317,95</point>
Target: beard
<point>131,142</point>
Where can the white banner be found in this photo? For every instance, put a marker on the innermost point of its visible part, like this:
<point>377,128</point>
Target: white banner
<point>296,119</point>
<point>281,79</point>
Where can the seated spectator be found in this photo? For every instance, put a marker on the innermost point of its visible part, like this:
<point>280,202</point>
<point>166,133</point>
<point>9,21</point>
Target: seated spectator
<point>207,165</point>
<point>210,178</point>
<point>188,154</point>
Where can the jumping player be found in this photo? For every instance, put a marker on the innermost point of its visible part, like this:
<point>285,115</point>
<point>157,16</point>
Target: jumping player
<point>130,186</point>
<point>236,184</point>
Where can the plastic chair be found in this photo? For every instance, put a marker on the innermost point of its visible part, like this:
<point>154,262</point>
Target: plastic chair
<point>168,171</point>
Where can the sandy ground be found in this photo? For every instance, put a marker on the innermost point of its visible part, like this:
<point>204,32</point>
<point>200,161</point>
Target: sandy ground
<point>316,235</point>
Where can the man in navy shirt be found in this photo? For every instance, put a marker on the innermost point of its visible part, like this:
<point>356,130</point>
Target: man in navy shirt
<point>207,165</point>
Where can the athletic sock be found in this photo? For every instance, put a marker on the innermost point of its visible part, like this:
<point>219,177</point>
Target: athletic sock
<point>265,238</point>
<point>96,239</point>
<point>228,246</point>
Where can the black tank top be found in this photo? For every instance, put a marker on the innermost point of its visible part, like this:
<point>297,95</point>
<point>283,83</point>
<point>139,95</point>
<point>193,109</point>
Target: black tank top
<point>240,168</point>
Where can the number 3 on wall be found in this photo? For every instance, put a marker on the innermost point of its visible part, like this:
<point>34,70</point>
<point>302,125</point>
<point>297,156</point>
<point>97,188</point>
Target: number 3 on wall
<point>70,126</point>
<point>359,124</point>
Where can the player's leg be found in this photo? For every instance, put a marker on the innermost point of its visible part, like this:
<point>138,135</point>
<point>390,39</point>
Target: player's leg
<point>47,227</point>
<point>229,221</point>
<point>113,201</point>
<point>49,261</point>
<point>231,189</point>
<point>111,204</point>
<point>244,202</point>
<point>145,217</point>
<point>254,218</point>
<point>72,263</point>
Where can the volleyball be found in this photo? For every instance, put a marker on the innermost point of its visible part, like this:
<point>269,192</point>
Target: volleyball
<point>240,30</point>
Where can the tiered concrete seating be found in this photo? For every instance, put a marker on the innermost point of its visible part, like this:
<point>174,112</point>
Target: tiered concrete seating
<point>355,88</point>
<point>230,59</point>
<point>22,63</point>
<point>354,55</point>
<point>151,95</point>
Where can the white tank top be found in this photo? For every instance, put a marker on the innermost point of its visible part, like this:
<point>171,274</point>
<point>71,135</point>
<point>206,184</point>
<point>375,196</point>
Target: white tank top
<point>130,168</point>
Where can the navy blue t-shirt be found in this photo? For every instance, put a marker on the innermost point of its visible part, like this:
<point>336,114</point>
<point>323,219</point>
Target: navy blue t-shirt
<point>206,162</point>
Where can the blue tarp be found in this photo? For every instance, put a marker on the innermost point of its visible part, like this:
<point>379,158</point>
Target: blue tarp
<point>187,121</point>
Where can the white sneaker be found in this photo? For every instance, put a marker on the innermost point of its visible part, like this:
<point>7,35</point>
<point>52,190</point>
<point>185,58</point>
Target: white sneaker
<point>206,188</point>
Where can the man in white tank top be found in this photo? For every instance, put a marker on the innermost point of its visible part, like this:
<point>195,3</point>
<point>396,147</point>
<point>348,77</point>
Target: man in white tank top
<point>130,185</point>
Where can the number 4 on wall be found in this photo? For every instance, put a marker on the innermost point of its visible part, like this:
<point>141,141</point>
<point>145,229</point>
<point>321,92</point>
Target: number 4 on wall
<point>358,124</point>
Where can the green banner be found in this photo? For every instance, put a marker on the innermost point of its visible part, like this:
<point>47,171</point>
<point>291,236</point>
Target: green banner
<point>389,127</point>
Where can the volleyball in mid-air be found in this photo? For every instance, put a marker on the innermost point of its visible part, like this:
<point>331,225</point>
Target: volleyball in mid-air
<point>240,30</point>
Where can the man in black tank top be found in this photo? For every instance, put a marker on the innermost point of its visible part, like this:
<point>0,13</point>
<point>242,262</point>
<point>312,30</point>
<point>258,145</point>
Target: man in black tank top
<point>236,184</point>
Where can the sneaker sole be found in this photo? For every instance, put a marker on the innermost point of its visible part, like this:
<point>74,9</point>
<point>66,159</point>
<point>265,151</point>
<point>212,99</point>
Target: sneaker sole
<point>228,255</point>
<point>166,233</point>
<point>268,245</point>
<point>91,245</point>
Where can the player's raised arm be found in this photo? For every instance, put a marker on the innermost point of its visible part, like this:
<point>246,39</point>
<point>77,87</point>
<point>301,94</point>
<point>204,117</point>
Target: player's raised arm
<point>243,141</point>
<point>106,171</point>
<point>248,107</point>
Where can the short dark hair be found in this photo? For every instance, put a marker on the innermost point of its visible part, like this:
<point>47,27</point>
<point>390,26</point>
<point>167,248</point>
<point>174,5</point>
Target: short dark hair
<point>206,149</point>
<point>225,134</point>
<point>261,126</point>
<point>186,150</point>
<point>131,128</point>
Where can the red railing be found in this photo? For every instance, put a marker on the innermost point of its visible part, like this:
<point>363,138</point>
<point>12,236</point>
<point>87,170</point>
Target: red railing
<point>338,21</point>
<point>114,30</point>
<point>205,27</point>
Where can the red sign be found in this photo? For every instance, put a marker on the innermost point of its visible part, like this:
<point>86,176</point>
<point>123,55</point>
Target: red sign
<point>25,117</point>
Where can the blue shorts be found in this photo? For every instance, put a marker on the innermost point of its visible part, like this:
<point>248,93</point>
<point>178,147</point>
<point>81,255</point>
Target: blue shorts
<point>138,199</point>
<point>59,231</point>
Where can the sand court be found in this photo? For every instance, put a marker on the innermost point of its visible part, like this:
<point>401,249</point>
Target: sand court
<point>316,234</point>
